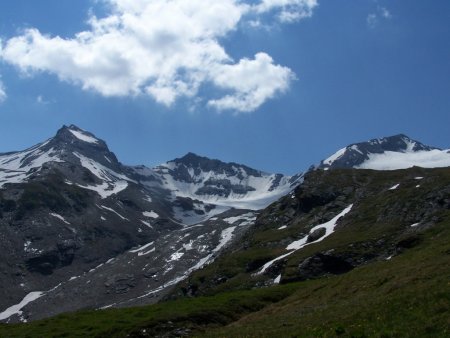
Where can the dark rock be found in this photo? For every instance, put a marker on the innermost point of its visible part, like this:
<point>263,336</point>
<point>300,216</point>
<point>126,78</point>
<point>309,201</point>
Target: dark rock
<point>320,265</point>
<point>316,234</point>
<point>120,283</point>
<point>409,242</point>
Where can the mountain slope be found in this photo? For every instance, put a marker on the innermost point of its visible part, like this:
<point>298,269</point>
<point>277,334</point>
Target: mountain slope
<point>334,222</point>
<point>72,215</point>
<point>395,240</point>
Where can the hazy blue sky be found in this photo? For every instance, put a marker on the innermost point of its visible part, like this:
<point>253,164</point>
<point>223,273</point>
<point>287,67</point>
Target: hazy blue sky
<point>277,85</point>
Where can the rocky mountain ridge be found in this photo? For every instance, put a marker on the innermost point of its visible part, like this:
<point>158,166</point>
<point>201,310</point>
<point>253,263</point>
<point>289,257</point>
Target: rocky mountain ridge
<point>80,229</point>
<point>73,216</point>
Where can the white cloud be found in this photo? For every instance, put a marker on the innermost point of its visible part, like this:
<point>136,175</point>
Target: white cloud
<point>166,49</point>
<point>252,82</point>
<point>288,10</point>
<point>3,95</point>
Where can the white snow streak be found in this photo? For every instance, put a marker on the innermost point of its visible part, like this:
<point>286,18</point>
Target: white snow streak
<point>16,309</point>
<point>141,248</point>
<point>225,237</point>
<point>112,210</point>
<point>59,217</point>
<point>394,186</point>
<point>297,245</point>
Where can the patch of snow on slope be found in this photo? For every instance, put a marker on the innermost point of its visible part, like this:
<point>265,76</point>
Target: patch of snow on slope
<point>176,256</point>
<point>146,223</point>
<point>16,309</point>
<point>105,190</point>
<point>142,247</point>
<point>394,187</point>
<point>59,217</point>
<point>335,156</point>
<point>190,217</point>
<point>249,217</point>
<point>277,280</point>
<point>390,160</point>
<point>150,214</point>
<point>16,167</point>
<point>112,210</point>
<point>83,137</point>
<point>301,243</point>
<point>113,182</point>
<point>225,237</point>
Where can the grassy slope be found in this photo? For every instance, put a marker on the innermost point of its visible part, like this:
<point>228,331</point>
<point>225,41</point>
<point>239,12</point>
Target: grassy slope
<point>406,296</point>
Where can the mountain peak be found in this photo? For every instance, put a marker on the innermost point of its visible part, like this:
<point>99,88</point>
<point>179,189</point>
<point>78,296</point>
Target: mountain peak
<point>357,155</point>
<point>73,133</point>
<point>190,156</point>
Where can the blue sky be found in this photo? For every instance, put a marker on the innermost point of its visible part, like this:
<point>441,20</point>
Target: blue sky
<point>277,85</point>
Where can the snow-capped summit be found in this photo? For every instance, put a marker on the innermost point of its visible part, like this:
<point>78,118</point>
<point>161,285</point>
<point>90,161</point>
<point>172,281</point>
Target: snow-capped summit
<point>388,153</point>
<point>70,146</point>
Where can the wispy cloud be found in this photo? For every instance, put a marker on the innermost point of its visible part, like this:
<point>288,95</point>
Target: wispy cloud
<point>41,100</point>
<point>379,15</point>
<point>3,95</point>
<point>166,49</point>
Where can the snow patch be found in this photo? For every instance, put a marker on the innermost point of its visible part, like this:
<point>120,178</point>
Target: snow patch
<point>176,256</point>
<point>390,160</point>
<point>146,223</point>
<point>141,248</point>
<point>59,217</point>
<point>282,227</point>
<point>112,210</point>
<point>245,219</point>
<point>277,280</point>
<point>83,137</point>
<point>297,245</point>
<point>337,155</point>
<point>225,237</point>
<point>150,214</point>
<point>394,186</point>
<point>16,309</point>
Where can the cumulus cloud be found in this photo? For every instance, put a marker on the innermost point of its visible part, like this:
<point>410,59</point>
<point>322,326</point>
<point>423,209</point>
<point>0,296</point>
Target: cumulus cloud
<point>166,49</point>
<point>252,82</point>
